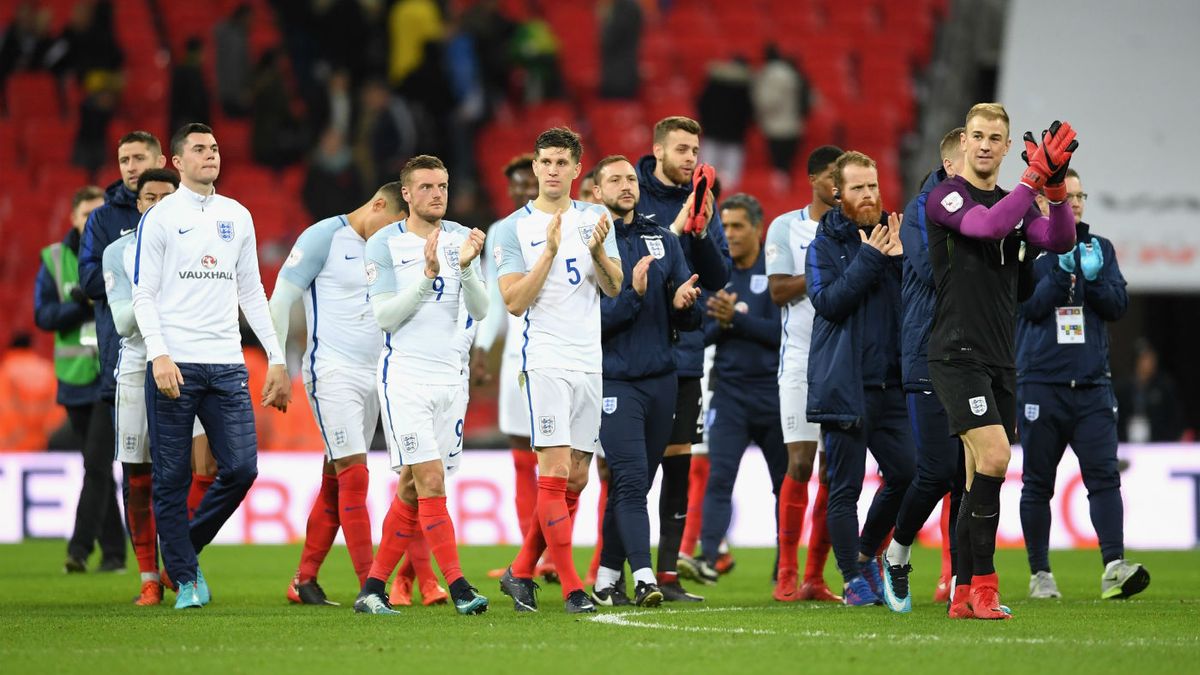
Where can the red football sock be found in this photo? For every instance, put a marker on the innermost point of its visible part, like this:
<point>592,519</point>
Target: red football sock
<point>818,538</point>
<point>946,566</point>
<point>418,562</point>
<point>400,527</point>
<point>200,485</point>
<point>141,523</point>
<point>524,565</point>
<point>356,521</point>
<point>525,464</point>
<point>555,518</point>
<point>438,530</point>
<point>601,504</point>
<point>572,505</point>
<point>697,481</point>
<point>321,529</point>
<point>793,501</point>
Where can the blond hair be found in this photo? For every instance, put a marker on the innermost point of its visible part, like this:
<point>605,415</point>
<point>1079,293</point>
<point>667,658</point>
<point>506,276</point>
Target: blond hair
<point>988,111</point>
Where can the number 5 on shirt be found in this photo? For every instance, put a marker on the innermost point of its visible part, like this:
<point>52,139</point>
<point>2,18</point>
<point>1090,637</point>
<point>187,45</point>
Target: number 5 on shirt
<point>573,272</point>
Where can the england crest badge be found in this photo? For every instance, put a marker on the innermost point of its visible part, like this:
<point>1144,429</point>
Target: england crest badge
<point>585,233</point>
<point>758,283</point>
<point>546,424</point>
<point>1032,411</point>
<point>978,405</point>
<point>655,246</point>
<point>610,405</point>
<point>225,230</point>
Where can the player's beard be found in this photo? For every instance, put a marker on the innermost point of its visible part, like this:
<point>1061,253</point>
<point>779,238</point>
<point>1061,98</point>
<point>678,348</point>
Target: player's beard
<point>675,172</point>
<point>865,216</point>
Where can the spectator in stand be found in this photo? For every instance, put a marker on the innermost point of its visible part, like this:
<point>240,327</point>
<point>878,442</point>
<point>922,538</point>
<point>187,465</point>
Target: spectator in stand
<point>725,114</point>
<point>26,42</point>
<point>231,38</point>
<point>779,95</point>
<point>190,98</point>
<point>386,134</point>
<point>278,135</point>
<point>332,186</point>
<point>620,45</point>
<point>28,411</point>
<point>535,49</point>
<point>492,32</point>
<point>334,108</point>
<point>412,24</point>
<point>96,110</point>
<point>88,44</point>
<point>1149,404</point>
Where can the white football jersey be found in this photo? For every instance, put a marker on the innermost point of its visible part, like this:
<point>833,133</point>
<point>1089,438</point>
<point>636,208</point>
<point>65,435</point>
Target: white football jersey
<point>787,244</point>
<point>561,329</point>
<point>196,264</point>
<point>118,286</point>
<point>428,347</point>
<point>328,262</point>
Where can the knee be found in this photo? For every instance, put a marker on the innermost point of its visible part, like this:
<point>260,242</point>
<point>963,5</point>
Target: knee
<point>430,485</point>
<point>800,470</point>
<point>994,461</point>
<point>240,476</point>
<point>576,483</point>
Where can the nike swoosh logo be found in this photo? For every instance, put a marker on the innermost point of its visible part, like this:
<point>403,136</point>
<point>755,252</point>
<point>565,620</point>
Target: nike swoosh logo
<point>438,523</point>
<point>405,262</point>
<point>554,522</point>
<point>125,232</point>
<point>351,257</point>
<point>183,231</point>
<point>354,508</point>
<point>243,383</point>
<point>455,454</point>
<point>403,536</point>
<point>982,515</point>
<point>537,243</point>
<point>649,216</point>
<point>679,516</point>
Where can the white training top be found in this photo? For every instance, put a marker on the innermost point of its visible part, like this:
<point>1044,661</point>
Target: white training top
<point>428,345</point>
<point>196,263</point>
<point>787,247</point>
<point>328,262</point>
<point>561,329</point>
<point>499,321</point>
<point>118,287</point>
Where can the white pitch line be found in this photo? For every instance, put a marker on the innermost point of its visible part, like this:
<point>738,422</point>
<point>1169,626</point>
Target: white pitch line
<point>644,620</point>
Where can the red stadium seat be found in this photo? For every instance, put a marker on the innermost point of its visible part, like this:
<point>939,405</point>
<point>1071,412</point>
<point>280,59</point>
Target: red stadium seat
<point>32,95</point>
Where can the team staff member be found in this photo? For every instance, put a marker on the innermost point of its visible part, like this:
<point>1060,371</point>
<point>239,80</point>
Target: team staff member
<point>788,240</point>
<point>326,269</point>
<point>638,328</point>
<point>854,368</point>
<point>743,322</point>
<point>196,266</point>
<point>62,306</point>
<point>976,235</point>
<point>1064,395</point>
<point>939,453</point>
<point>666,198</point>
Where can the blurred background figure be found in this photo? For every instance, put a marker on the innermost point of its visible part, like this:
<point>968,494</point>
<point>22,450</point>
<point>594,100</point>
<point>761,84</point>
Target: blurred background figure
<point>1149,407</point>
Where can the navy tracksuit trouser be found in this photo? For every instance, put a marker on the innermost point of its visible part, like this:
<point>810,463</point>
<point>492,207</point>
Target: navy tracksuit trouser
<point>634,430</point>
<point>885,430</point>
<point>737,418</point>
<point>940,468</point>
<point>218,395</point>
<point>1050,417</point>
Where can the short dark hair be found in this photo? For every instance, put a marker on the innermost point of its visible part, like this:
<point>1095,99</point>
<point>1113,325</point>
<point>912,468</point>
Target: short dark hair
<point>822,157</point>
<point>950,142</point>
<point>852,157</point>
<point>183,132</point>
<point>1072,173</point>
<point>141,137</point>
<point>559,137</point>
<point>85,194</point>
<point>522,162</point>
<point>159,176</point>
<point>392,194</point>
<point>746,203</point>
<point>674,123</point>
<point>420,162</point>
<point>600,166</point>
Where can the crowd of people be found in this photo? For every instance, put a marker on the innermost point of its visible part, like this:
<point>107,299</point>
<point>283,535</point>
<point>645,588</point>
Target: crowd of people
<point>651,322</point>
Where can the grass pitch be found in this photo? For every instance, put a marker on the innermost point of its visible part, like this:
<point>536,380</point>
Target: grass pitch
<point>50,622</point>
